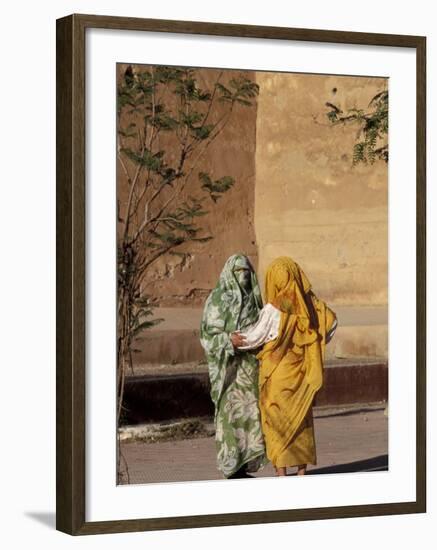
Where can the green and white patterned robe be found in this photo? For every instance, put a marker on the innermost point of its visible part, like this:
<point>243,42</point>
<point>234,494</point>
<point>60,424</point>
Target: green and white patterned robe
<point>233,374</point>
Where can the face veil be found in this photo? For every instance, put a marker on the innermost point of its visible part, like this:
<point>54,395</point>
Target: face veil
<point>237,294</point>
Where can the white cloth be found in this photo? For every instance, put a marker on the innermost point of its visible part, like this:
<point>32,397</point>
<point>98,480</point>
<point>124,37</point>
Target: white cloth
<point>267,328</point>
<point>264,330</point>
<point>331,331</point>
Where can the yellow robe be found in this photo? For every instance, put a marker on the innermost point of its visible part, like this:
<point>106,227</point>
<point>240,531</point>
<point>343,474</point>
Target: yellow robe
<point>291,366</point>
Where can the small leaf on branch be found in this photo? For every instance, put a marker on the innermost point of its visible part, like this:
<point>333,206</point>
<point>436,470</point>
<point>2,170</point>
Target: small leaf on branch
<point>144,325</point>
<point>164,121</point>
<point>202,132</point>
<point>216,188</point>
<point>150,160</point>
<point>190,119</point>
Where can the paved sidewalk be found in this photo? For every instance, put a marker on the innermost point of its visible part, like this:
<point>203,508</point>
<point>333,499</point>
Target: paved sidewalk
<point>346,442</point>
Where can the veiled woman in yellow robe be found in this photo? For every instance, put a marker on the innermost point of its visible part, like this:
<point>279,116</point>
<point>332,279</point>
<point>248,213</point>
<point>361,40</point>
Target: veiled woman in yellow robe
<point>291,366</point>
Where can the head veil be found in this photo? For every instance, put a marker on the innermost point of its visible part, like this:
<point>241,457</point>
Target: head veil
<point>305,319</point>
<point>237,309</point>
<point>226,310</point>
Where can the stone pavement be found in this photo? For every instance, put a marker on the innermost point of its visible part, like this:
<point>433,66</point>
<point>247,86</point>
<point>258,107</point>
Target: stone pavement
<point>351,440</point>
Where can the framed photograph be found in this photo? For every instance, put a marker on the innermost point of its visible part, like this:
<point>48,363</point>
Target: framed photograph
<point>240,274</point>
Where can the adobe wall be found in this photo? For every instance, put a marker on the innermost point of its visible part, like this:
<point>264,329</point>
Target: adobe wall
<point>230,221</point>
<point>310,202</point>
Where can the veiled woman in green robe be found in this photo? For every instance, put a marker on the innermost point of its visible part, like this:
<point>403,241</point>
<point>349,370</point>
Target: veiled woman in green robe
<point>234,304</point>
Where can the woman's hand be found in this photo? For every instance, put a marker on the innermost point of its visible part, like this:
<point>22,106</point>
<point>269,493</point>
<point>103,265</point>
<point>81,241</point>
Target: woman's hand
<point>237,339</point>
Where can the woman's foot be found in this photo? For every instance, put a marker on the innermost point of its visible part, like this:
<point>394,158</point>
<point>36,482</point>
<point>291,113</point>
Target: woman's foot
<point>301,470</point>
<point>280,472</point>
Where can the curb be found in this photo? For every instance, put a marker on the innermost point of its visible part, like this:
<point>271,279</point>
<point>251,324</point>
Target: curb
<point>152,398</point>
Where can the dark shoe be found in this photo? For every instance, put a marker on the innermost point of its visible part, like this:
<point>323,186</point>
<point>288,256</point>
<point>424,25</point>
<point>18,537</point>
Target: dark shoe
<point>240,474</point>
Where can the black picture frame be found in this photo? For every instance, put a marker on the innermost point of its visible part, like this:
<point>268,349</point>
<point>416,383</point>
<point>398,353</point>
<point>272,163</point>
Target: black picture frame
<point>71,248</point>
